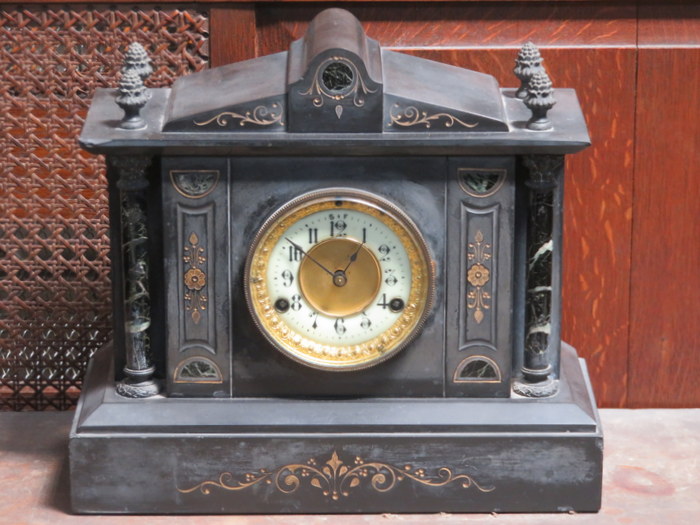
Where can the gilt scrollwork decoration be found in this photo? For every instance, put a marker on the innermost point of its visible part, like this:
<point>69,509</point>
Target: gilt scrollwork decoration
<point>352,85</point>
<point>478,276</point>
<point>195,279</point>
<point>412,116</point>
<point>260,116</point>
<point>335,478</point>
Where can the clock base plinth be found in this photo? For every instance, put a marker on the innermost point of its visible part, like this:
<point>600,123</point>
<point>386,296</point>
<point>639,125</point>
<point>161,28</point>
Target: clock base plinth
<point>255,455</point>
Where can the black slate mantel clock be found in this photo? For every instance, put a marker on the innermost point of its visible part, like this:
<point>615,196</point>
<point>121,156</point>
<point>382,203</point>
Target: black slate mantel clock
<point>337,288</point>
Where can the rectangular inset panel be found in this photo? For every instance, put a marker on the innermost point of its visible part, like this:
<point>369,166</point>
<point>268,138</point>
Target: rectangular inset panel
<point>195,233</point>
<point>479,230</point>
<point>480,197</point>
<point>196,265</point>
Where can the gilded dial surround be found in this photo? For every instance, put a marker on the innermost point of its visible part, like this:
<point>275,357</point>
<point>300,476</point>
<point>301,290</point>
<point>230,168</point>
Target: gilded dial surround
<point>322,287</point>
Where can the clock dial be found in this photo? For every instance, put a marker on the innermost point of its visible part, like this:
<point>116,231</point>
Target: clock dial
<point>339,279</point>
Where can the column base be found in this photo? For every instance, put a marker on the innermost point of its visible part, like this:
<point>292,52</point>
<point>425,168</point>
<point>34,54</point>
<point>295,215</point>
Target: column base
<point>546,388</point>
<point>141,389</point>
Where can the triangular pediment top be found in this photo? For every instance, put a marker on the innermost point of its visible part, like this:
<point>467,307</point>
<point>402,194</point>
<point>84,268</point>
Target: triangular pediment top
<point>336,79</point>
<point>440,96</point>
<point>235,96</point>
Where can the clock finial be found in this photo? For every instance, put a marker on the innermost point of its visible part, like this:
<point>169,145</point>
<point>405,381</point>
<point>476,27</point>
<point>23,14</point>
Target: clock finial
<point>136,59</point>
<point>133,95</point>
<point>528,62</point>
<point>539,100</point>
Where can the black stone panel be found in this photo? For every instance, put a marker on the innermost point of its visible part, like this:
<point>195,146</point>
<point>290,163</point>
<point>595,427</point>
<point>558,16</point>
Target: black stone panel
<point>195,240</point>
<point>480,209</point>
<point>259,186</point>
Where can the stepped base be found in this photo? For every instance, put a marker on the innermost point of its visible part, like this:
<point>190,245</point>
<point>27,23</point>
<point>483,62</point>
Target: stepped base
<point>243,456</point>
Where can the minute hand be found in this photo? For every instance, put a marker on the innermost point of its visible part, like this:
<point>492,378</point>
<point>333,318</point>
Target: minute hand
<point>296,246</point>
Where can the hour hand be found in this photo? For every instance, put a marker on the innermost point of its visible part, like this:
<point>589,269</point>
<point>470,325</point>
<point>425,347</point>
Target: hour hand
<point>353,257</point>
<point>297,247</point>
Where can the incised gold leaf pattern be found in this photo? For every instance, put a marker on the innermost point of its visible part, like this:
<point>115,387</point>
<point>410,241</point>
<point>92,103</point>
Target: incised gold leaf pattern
<point>335,478</point>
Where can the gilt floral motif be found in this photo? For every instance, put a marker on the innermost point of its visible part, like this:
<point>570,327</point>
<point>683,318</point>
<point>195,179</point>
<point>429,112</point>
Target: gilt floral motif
<point>478,276</point>
<point>195,279</point>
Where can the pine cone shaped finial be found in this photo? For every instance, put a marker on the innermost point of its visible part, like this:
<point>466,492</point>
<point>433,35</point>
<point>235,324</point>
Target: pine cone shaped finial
<point>539,100</point>
<point>528,62</point>
<point>133,95</point>
<point>136,59</point>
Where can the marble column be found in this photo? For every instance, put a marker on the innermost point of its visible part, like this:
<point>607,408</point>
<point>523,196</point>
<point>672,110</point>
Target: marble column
<point>543,277</point>
<point>132,184</point>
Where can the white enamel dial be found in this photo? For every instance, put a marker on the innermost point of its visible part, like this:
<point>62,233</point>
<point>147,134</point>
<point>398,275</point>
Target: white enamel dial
<point>394,267</point>
<point>339,279</point>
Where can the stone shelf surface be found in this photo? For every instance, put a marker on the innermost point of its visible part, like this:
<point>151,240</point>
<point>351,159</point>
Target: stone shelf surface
<point>651,475</point>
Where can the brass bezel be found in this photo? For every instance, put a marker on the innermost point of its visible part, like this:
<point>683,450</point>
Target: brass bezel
<point>339,357</point>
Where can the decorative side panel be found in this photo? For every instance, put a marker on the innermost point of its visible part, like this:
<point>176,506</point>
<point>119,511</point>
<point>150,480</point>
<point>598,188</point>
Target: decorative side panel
<point>195,211</point>
<point>55,297</point>
<point>480,201</point>
<point>195,227</point>
<point>479,228</point>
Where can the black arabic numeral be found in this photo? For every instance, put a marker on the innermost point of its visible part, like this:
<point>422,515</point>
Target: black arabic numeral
<point>384,252</point>
<point>339,326</point>
<point>296,302</point>
<point>287,278</point>
<point>391,279</point>
<point>313,235</point>
<point>366,321</point>
<point>384,304</point>
<point>338,228</point>
<point>294,254</point>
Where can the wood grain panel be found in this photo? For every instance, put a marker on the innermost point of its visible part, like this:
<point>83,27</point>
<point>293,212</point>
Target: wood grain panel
<point>459,25</point>
<point>664,335</point>
<point>598,201</point>
<point>233,34</point>
<point>669,25</point>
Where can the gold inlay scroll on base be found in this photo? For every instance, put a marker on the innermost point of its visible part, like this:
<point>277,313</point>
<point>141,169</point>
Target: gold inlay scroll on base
<point>335,478</point>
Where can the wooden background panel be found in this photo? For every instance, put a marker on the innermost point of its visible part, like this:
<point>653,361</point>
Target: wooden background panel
<point>234,34</point>
<point>665,303</point>
<point>459,25</point>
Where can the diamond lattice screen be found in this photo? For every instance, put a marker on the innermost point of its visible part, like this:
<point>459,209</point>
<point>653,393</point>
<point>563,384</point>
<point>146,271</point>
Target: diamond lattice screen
<point>55,297</point>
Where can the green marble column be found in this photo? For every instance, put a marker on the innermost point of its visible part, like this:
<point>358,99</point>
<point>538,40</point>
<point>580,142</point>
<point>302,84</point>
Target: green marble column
<point>543,277</point>
<point>132,184</point>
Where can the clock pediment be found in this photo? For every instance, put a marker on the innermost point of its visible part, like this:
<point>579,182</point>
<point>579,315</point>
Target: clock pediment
<point>336,79</point>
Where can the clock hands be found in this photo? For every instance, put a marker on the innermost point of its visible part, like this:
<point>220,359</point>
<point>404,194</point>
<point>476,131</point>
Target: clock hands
<point>353,257</point>
<point>297,247</point>
<point>339,277</point>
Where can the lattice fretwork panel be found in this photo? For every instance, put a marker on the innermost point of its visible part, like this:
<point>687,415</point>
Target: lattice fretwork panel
<point>54,268</point>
